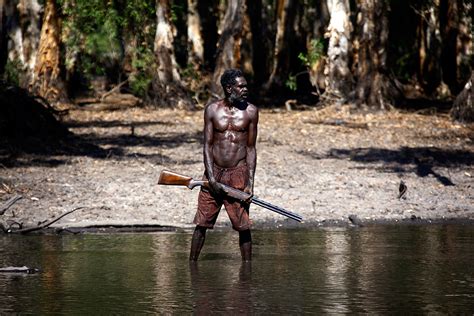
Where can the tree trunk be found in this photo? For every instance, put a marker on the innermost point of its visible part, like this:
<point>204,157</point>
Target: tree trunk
<point>449,21</point>
<point>430,49</point>
<point>47,81</point>
<point>262,46</point>
<point>3,38</point>
<point>463,110</point>
<point>14,36</point>
<point>320,17</point>
<point>23,21</point>
<point>284,43</point>
<point>373,87</point>
<point>29,11</point>
<point>195,40</point>
<point>228,46</point>
<point>167,85</point>
<point>339,78</point>
<point>167,69</point>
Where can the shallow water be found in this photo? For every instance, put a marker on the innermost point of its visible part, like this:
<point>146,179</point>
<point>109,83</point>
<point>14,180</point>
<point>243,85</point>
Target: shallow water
<point>409,269</point>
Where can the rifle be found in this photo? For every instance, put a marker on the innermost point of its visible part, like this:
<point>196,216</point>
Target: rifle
<point>172,178</point>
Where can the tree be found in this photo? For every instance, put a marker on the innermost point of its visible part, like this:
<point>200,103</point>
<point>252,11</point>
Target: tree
<point>23,33</point>
<point>262,44</point>
<point>339,78</point>
<point>167,82</point>
<point>228,46</point>
<point>317,18</point>
<point>284,43</point>
<point>195,40</point>
<point>429,48</point>
<point>372,87</point>
<point>449,21</point>
<point>47,81</point>
<point>463,110</point>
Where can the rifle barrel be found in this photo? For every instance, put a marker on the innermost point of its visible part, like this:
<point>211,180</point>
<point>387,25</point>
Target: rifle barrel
<point>277,209</point>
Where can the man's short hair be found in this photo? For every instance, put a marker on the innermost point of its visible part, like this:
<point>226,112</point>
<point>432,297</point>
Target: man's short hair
<point>229,76</point>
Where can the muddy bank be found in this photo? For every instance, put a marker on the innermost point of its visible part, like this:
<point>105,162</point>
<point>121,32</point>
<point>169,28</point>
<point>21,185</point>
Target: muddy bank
<point>328,165</point>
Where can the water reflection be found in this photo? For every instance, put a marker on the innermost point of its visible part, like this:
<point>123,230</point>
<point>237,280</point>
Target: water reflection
<point>231,293</point>
<point>373,270</point>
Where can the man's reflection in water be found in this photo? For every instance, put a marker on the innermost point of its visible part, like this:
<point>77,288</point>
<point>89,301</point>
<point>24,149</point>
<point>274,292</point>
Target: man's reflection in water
<point>216,291</point>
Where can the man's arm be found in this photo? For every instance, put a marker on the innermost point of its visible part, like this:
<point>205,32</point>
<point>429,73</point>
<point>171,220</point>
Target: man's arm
<point>251,158</point>
<point>208,143</point>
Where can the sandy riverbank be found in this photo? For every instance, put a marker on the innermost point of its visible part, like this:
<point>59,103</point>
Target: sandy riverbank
<point>328,165</point>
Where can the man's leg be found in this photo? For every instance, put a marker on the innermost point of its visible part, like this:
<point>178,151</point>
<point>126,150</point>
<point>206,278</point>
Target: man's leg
<point>199,236</point>
<point>245,243</point>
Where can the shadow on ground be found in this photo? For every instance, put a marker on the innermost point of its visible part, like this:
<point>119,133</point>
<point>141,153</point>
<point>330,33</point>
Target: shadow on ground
<point>31,150</point>
<point>420,160</point>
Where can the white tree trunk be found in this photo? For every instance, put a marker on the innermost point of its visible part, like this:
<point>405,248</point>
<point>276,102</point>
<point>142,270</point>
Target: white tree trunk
<point>23,34</point>
<point>30,16</point>
<point>338,74</point>
<point>167,70</point>
<point>14,34</point>
<point>195,41</point>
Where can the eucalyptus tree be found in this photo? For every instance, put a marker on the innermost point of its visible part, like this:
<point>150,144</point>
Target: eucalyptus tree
<point>194,33</point>
<point>22,34</point>
<point>168,88</point>
<point>228,46</point>
<point>47,81</point>
<point>339,78</point>
<point>373,87</point>
<point>283,44</point>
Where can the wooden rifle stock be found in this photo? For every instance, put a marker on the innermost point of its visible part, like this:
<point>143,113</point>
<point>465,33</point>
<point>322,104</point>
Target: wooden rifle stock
<point>172,178</point>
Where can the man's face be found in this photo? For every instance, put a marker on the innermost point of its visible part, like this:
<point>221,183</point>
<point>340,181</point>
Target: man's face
<point>239,91</point>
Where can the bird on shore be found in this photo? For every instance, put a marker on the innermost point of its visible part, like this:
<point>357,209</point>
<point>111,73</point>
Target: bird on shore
<point>402,189</point>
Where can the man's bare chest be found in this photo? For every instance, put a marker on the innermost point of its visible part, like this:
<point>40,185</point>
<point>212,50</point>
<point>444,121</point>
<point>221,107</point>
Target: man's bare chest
<point>231,121</point>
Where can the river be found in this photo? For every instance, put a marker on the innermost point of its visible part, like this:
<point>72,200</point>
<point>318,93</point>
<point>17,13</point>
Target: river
<point>376,270</point>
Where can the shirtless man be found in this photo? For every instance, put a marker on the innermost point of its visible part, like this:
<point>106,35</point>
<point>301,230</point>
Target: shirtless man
<point>230,158</point>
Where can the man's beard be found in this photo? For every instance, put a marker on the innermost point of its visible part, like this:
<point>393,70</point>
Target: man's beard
<point>236,99</point>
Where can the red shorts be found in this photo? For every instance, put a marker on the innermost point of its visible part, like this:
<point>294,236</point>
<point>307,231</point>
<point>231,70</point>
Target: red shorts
<point>210,205</point>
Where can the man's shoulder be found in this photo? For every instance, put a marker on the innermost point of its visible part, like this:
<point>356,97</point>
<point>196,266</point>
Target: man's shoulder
<point>214,105</point>
<point>252,109</point>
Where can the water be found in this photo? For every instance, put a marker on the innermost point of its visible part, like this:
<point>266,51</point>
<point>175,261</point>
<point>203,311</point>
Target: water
<point>402,269</point>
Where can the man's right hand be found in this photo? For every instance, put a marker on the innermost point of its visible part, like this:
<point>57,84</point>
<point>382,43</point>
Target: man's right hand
<point>216,188</point>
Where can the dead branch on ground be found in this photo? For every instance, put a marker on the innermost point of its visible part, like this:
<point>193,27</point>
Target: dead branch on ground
<point>9,203</point>
<point>42,226</point>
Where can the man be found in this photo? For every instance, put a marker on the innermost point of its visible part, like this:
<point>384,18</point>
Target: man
<point>230,158</point>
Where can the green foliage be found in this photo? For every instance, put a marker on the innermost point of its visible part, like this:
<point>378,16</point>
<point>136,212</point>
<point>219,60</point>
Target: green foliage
<point>142,76</point>
<point>405,65</point>
<point>315,52</point>
<point>290,83</point>
<point>12,72</point>
<point>91,31</point>
<point>177,11</point>
<point>94,31</point>
<point>190,72</point>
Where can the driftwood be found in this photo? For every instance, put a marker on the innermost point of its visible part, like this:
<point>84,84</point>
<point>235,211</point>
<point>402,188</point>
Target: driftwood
<point>9,203</point>
<point>39,227</point>
<point>23,269</point>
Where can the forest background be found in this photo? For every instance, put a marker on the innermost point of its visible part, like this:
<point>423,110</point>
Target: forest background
<point>171,53</point>
<point>357,97</point>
